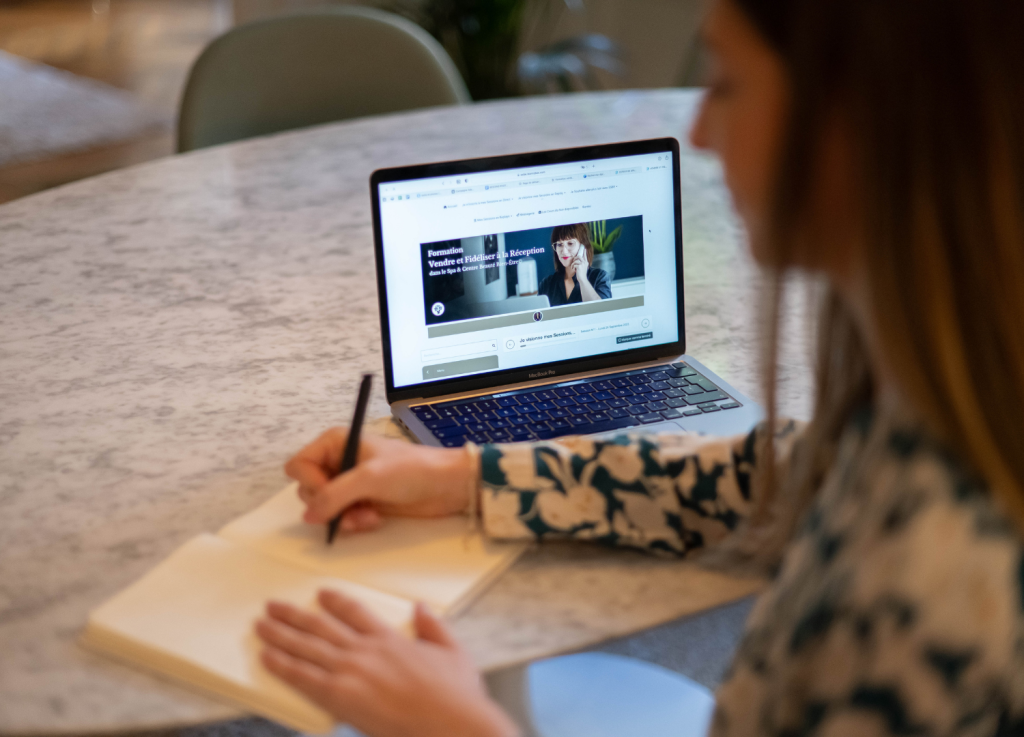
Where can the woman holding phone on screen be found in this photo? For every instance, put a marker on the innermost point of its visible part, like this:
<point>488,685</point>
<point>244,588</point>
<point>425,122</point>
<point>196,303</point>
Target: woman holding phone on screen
<point>574,280</point>
<point>878,144</point>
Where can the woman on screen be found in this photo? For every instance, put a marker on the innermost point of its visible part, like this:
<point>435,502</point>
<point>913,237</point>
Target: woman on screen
<point>574,280</point>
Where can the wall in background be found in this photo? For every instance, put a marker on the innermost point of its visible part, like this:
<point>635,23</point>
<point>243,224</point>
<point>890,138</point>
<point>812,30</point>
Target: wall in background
<point>629,249</point>
<point>656,35</point>
<point>147,46</point>
<point>144,47</point>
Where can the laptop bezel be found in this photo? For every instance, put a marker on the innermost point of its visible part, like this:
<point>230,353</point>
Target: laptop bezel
<point>493,379</point>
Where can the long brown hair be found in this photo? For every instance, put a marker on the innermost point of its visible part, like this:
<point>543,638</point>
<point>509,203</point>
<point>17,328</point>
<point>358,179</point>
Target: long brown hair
<point>579,231</point>
<point>932,95</point>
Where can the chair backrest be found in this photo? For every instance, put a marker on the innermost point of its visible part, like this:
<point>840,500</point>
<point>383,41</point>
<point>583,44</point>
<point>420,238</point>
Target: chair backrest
<point>310,68</point>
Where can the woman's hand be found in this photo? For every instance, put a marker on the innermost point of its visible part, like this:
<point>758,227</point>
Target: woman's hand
<point>579,266</point>
<point>382,683</point>
<point>390,477</point>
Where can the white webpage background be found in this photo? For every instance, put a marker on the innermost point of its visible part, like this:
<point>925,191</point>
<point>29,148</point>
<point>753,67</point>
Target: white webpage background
<point>430,212</point>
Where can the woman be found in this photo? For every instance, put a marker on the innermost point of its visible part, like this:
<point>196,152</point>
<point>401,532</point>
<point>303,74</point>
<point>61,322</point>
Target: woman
<point>880,144</point>
<point>574,279</point>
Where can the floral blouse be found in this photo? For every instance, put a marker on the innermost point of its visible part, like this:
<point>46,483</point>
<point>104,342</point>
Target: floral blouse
<point>897,609</point>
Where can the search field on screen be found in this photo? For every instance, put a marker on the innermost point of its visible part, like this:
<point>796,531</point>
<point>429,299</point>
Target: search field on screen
<point>454,351</point>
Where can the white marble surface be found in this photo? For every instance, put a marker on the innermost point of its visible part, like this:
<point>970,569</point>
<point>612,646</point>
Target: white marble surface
<point>170,333</point>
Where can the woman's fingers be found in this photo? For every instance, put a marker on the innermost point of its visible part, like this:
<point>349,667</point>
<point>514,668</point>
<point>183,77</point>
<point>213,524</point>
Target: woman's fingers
<point>326,628</point>
<point>352,613</point>
<point>306,677</point>
<point>360,518</point>
<point>314,465</point>
<point>310,475</point>
<point>300,645</point>
<point>341,493</point>
<point>432,629</point>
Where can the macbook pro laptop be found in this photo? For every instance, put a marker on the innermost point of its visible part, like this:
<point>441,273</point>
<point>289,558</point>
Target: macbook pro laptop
<point>484,336</point>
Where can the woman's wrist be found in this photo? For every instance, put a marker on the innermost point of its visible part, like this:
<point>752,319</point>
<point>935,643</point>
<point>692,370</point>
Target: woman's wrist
<point>500,724</point>
<point>472,483</point>
<point>487,719</point>
<point>455,473</point>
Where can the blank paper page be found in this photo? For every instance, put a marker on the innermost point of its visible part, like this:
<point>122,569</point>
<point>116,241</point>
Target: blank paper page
<point>192,618</point>
<point>429,560</point>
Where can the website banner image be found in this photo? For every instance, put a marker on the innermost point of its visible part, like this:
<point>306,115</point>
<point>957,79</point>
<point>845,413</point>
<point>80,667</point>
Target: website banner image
<point>533,271</point>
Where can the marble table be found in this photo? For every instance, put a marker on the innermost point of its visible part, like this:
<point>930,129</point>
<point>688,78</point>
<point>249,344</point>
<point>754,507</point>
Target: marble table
<point>171,333</point>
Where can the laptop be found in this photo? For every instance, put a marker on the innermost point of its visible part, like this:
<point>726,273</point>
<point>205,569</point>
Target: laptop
<point>537,295</point>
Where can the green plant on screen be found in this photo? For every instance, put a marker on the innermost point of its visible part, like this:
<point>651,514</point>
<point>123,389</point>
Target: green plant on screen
<point>601,239</point>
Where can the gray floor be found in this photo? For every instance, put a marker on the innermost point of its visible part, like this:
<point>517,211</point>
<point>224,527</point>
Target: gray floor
<point>699,647</point>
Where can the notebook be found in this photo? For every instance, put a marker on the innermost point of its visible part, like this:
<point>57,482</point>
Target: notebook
<point>191,618</point>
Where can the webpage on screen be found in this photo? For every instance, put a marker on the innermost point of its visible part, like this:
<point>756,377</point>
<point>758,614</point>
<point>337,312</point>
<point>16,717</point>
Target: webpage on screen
<point>522,267</point>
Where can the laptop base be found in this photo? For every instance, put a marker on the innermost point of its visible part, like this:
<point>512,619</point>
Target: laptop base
<point>446,421</point>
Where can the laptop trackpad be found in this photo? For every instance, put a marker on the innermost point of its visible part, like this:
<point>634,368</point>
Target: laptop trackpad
<point>657,427</point>
<point>660,427</point>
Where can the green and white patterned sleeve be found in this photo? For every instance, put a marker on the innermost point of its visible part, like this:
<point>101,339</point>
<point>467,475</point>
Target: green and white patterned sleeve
<point>668,494</point>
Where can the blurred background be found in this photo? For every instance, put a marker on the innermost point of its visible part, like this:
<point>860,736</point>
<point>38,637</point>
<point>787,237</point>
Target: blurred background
<point>87,86</point>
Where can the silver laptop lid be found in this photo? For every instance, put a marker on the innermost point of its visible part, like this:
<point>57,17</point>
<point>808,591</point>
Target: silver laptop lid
<point>473,258</point>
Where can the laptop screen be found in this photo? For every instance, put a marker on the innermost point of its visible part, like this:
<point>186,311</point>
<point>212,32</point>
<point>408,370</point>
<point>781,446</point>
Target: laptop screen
<point>517,268</point>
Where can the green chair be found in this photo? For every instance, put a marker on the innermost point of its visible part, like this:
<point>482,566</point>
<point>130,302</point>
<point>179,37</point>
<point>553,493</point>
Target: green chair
<point>310,68</point>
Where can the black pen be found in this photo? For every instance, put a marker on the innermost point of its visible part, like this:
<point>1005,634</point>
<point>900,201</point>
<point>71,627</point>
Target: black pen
<point>352,445</point>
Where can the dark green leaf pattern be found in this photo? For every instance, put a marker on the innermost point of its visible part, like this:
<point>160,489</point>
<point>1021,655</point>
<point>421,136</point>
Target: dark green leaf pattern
<point>896,610</point>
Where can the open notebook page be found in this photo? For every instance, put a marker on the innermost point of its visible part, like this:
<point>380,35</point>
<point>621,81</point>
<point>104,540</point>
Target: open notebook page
<point>429,560</point>
<point>192,618</point>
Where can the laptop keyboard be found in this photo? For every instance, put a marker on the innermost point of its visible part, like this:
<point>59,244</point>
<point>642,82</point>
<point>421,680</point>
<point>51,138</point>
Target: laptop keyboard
<point>580,407</point>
